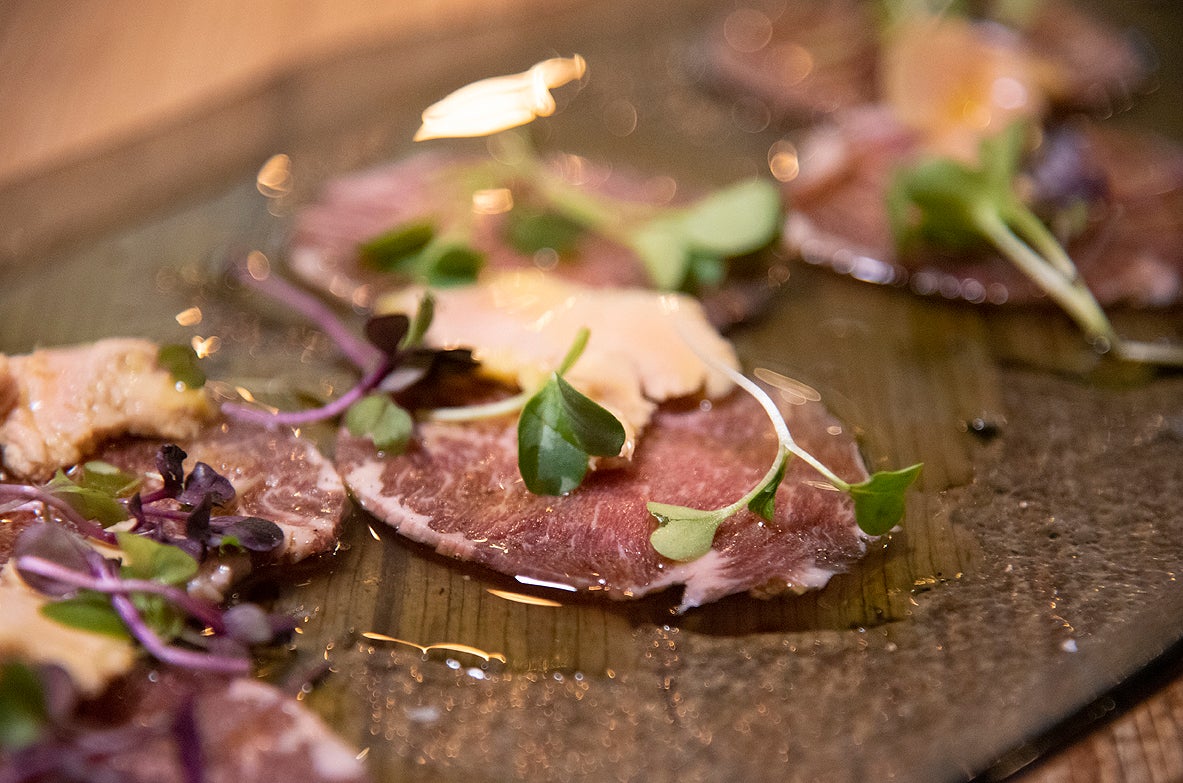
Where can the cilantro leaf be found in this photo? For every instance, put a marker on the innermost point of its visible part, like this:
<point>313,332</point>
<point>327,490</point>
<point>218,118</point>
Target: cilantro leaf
<point>879,501</point>
<point>388,425</point>
<point>558,430</point>
<point>181,363</point>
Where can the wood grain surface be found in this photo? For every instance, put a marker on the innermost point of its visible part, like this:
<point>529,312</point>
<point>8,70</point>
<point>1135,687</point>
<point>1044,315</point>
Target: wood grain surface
<point>124,84</point>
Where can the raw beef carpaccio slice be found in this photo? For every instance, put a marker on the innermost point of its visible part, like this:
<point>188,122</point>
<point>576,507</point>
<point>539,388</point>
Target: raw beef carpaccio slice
<point>810,59</point>
<point>276,475</point>
<point>1130,251</point>
<point>458,490</point>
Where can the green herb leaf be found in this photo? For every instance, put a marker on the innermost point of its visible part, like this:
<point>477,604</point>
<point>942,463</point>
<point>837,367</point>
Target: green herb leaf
<point>181,363</point>
<point>558,430</point>
<point>385,423</point>
<point>736,220</point>
<point>23,712</point>
<point>690,245</point>
<point>152,560</point>
<point>99,505</point>
<point>415,249</point>
<point>420,323</point>
<point>661,246</point>
<point>879,501</point>
<point>105,477</point>
<point>529,230</point>
<point>764,501</point>
<point>390,252</point>
<point>87,611</point>
<point>684,533</point>
<point>447,263</point>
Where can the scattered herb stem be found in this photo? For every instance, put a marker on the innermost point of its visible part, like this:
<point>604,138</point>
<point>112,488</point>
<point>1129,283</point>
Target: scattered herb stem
<point>310,415</point>
<point>354,348</point>
<point>60,506</point>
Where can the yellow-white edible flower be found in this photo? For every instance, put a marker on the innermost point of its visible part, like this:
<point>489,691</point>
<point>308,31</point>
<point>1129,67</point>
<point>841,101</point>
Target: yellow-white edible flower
<point>500,102</point>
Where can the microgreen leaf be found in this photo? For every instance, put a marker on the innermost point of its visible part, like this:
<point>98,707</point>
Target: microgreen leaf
<point>735,220</point>
<point>387,332</point>
<point>151,560</point>
<point>389,252</point>
<point>879,501</point>
<point>447,263</point>
<point>170,462</point>
<point>52,543</point>
<point>529,230</point>
<point>253,534</point>
<point>87,611</point>
<point>92,503</point>
<point>684,533</point>
<point>205,482</point>
<point>661,247</point>
<point>419,324</point>
<point>377,416</point>
<point>559,428</point>
<point>105,477</point>
<point>416,250</point>
<point>181,363</point>
<point>689,245</point>
<point>764,501</point>
<point>24,713</point>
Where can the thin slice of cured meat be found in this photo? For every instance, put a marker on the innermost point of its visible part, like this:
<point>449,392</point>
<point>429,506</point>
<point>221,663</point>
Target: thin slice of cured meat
<point>435,186</point>
<point>1129,251</point>
<point>168,725</point>
<point>276,475</point>
<point>458,490</point>
<point>810,59</point>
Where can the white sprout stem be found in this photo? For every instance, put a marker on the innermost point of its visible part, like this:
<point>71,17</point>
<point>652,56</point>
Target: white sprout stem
<point>784,438</point>
<point>476,412</point>
<point>1077,300</point>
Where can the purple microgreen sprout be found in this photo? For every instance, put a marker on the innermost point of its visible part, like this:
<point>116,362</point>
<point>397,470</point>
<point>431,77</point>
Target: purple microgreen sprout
<point>154,572</point>
<point>392,340</point>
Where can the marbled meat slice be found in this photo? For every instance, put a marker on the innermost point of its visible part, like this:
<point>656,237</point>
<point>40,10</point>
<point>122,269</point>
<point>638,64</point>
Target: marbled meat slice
<point>458,490</point>
<point>810,59</point>
<point>1130,251</point>
<point>276,475</point>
